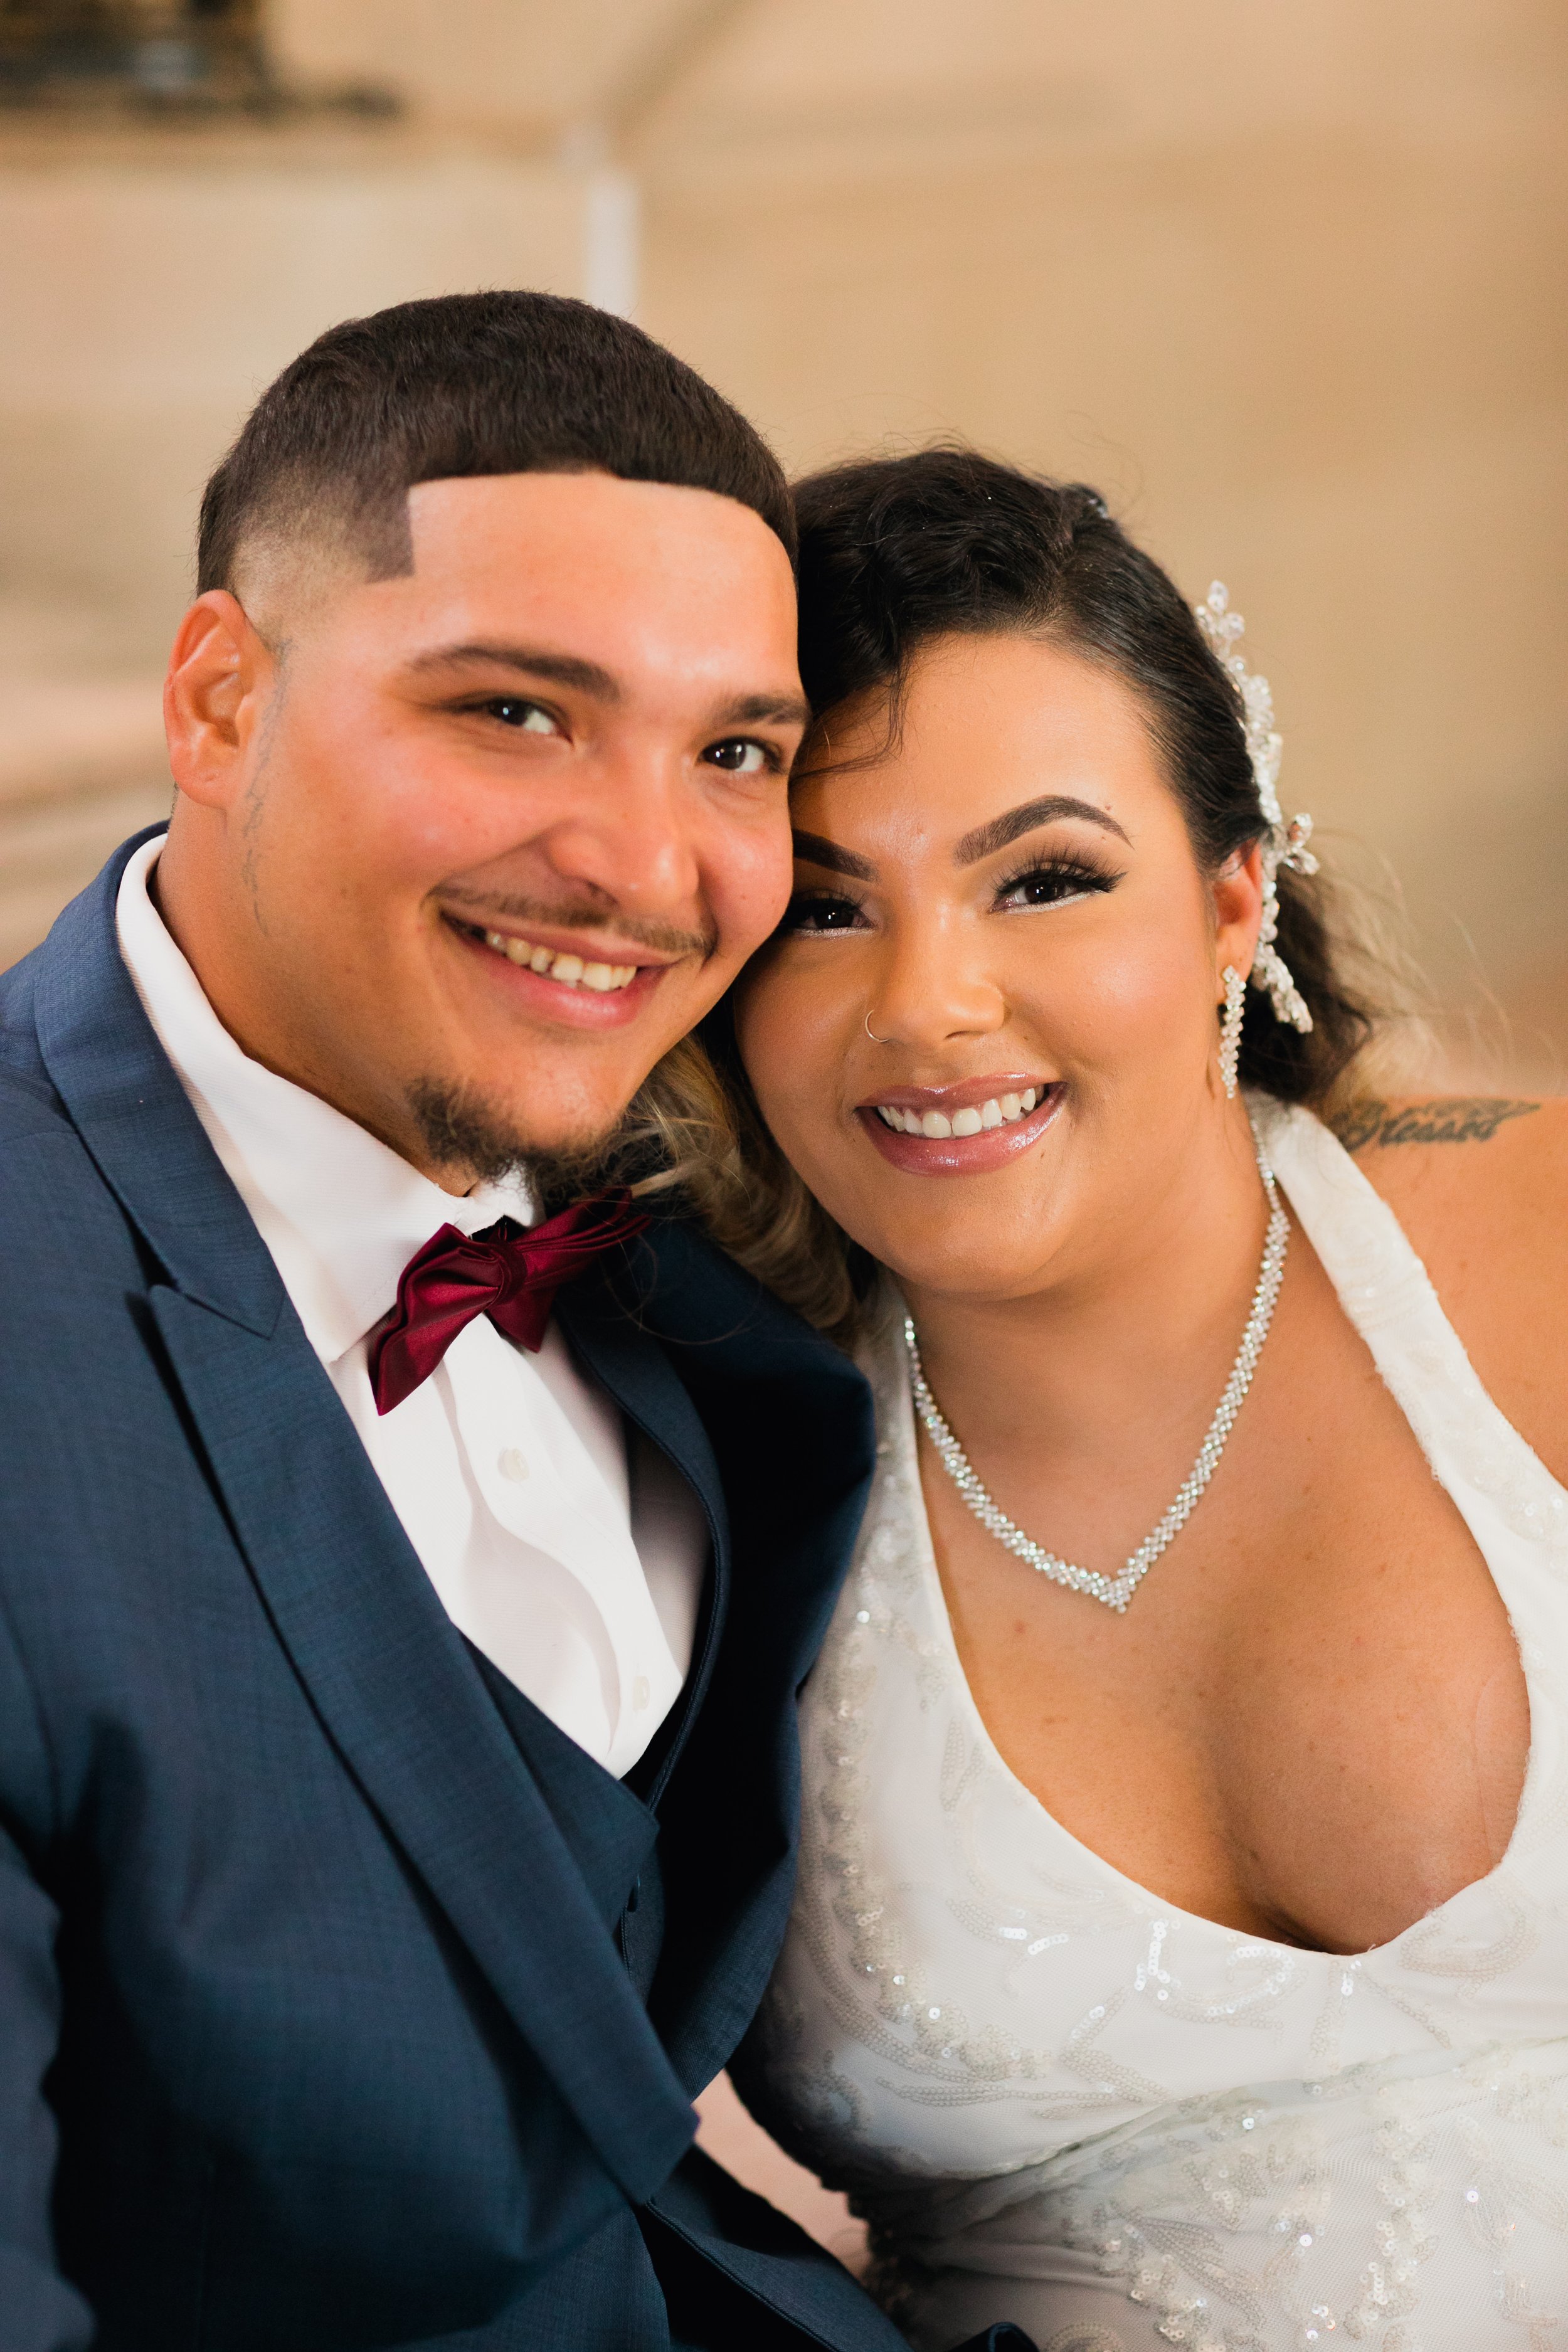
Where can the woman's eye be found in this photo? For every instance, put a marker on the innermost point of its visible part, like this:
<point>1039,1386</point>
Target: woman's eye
<point>820,911</point>
<point>1047,886</point>
<point>740,755</point>
<point>530,717</point>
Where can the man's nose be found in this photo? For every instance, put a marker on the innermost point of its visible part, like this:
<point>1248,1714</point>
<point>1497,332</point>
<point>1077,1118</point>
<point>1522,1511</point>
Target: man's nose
<point>634,840</point>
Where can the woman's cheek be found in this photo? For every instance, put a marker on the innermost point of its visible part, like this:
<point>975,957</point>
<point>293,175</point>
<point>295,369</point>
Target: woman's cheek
<point>777,1028</point>
<point>1117,998</point>
<point>808,1050</point>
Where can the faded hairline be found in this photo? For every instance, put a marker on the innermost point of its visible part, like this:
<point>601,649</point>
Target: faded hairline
<point>343,527</point>
<point>307,530</point>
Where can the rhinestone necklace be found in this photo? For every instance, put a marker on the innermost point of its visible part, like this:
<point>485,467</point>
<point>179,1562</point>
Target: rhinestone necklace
<point>1116,1592</point>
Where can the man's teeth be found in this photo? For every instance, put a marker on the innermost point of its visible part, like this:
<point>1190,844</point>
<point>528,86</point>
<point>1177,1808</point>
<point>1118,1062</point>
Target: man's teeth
<point>999,1111</point>
<point>569,969</point>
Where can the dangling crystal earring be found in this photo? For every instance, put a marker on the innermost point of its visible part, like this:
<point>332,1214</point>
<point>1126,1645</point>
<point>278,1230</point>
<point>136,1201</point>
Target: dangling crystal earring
<point>1230,1028</point>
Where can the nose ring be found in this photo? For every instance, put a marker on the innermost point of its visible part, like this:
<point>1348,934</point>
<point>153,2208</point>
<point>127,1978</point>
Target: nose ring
<point>872,1033</point>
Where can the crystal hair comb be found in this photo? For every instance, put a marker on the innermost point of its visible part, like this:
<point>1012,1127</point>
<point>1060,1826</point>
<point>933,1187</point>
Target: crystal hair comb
<point>1282,844</point>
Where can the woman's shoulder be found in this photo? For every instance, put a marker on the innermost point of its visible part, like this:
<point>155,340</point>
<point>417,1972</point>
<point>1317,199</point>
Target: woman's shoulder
<point>1479,1184</point>
<point>1448,1158</point>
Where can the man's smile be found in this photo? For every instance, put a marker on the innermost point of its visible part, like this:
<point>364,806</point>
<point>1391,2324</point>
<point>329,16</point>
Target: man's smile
<point>570,984</point>
<point>560,963</point>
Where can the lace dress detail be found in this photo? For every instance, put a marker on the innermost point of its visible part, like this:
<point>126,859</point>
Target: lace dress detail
<point>1061,2101</point>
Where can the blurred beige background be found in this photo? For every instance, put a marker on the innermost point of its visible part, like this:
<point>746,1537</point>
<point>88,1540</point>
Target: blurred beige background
<point>1284,277</point>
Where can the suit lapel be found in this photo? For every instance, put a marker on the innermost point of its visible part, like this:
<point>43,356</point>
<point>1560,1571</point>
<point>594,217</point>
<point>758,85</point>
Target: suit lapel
<point>773,1427</point>
<point>633,1369</point>
<point>350,1603</point>
<point>130,1112</point>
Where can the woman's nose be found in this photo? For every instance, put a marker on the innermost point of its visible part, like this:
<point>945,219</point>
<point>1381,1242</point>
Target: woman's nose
<point>932,991</point>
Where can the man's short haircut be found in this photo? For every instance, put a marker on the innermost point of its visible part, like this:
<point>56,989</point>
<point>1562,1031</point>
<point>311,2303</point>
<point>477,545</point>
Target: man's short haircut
<point>468,385</point>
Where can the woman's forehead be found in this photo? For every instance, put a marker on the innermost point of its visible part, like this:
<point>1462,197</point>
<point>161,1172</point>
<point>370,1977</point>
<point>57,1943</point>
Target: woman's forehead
<point>982,725</point>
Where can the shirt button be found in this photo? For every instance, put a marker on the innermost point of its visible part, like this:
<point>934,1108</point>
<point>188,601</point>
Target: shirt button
<point>640,1693</point>
<point>513,1464</point>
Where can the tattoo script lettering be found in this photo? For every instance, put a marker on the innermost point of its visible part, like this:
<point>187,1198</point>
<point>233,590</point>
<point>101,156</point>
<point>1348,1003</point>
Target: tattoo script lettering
<point>1455,1118</point>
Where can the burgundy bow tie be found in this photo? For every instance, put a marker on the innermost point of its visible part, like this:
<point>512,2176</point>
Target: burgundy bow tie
<point>510,1272</point>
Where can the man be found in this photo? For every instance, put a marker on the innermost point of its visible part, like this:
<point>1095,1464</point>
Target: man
<point>397,1679</point>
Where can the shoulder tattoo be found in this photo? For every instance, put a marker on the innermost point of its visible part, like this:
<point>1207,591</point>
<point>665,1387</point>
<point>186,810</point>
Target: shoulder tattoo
<point>1454,1119</point>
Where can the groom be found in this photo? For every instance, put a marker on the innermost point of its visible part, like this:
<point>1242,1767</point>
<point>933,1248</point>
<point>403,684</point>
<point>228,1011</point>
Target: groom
<point>403,1592</point>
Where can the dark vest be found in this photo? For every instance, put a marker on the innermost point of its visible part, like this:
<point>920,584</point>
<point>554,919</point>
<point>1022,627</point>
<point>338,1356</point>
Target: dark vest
<point>611,1831</point>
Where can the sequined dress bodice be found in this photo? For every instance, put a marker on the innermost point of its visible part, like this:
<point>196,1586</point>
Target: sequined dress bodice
<point>1062,2100</point>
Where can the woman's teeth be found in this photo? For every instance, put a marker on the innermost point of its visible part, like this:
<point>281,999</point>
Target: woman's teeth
<point>999,1111</point>
<point>569,969</point>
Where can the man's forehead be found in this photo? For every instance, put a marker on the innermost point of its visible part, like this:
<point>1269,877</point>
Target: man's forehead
<point>623,582</point>
<point>437,506</point>
<point>470,513</point>
<point>619,566</point>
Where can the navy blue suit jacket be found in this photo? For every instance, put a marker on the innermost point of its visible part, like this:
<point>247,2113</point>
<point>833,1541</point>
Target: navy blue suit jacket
<point>312,2036</point>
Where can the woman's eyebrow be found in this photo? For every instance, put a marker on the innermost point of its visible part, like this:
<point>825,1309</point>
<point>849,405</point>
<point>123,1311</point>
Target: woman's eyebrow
<point>987,839</point>
<point>817,850</point>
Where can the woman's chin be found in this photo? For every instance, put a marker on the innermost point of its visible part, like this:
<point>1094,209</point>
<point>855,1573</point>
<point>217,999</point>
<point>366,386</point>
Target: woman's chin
<point>990,1226</point>
<point>967,1252</point>
<point>978,1275</point>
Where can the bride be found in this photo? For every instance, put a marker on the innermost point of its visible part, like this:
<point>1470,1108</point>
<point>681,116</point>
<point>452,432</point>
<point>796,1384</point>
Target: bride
<point>1181,1955</point>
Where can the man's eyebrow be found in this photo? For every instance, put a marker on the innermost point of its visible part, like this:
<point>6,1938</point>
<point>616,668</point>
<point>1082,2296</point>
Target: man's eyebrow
<point>528,661</point>
<point>817,850</point>
<point>593,679</point>
<point>987,839</point>
<point>764,710</point>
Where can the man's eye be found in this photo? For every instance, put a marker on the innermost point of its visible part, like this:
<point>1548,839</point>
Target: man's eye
<point>740,755</point>
<point>532,717</point>
<point>816,911</point>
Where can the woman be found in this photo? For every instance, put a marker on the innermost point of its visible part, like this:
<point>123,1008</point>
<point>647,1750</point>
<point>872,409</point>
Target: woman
<point>1181,1953</point>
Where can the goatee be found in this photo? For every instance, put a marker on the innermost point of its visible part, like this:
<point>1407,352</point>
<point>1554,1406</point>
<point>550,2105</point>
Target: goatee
<point>462,1130</point>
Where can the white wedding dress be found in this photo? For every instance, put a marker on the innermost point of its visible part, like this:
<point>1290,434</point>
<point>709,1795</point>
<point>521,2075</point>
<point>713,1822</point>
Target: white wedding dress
<point>1064,2102</point>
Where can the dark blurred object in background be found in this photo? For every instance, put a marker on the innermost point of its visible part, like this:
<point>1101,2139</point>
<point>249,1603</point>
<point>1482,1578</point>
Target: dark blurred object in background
<point>154,57</point>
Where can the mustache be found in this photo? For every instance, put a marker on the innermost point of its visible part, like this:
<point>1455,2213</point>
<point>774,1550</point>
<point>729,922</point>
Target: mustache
<point>584,914</point>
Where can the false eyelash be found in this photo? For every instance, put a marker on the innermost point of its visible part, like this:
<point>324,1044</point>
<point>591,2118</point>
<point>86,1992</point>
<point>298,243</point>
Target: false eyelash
<point>1076,872</point>
<point>818,898</point>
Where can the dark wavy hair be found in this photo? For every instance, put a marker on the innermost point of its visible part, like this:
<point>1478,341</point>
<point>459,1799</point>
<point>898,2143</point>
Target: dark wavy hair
<point>895,553</point>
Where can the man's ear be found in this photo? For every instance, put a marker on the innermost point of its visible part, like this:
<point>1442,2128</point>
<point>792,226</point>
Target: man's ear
<point>1238,891</point>
<point>220,675</point>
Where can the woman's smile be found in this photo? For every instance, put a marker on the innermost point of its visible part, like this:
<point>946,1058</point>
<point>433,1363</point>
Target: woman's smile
<point>966,1129</point>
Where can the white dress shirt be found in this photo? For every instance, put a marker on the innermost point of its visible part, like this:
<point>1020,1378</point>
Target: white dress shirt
<point>573,1558</point>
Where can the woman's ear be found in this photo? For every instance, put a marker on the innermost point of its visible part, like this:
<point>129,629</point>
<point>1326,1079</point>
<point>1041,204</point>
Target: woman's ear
<point>1237,895</point>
